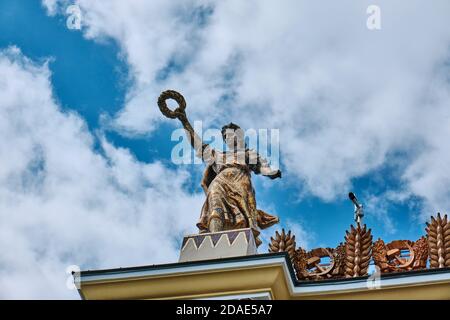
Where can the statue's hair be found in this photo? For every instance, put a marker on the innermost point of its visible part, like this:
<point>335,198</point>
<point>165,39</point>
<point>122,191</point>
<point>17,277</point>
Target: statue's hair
<point>231,126</point>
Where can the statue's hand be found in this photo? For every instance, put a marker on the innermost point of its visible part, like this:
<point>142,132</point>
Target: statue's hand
<point>276,175</point>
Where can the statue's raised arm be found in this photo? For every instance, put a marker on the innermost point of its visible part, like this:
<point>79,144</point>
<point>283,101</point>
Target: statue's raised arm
<point>180,114</point>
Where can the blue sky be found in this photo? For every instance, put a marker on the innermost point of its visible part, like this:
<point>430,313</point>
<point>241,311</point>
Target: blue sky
<point>108,79</point>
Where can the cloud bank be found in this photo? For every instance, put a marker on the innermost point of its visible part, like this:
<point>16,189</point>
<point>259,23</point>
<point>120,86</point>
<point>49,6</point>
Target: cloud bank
<point>64,201</point>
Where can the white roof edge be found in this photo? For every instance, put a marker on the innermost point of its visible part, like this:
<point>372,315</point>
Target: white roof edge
<point>316,288</point>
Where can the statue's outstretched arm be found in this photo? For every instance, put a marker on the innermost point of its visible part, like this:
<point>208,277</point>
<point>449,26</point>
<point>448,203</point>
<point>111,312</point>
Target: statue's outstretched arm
<point>260,165</point>
<point>202,150</point>
<point>194,138</point>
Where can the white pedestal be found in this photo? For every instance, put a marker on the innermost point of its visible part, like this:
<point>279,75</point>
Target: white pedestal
<point>217,245</point>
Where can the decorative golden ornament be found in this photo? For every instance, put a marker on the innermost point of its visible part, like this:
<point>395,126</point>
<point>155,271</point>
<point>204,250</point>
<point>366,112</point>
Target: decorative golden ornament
<point>379,255</point>
<point>320,263</point>
<point>391,257</point>
<point>352,258</point>
<point>315,267</point>
<point>358,249</point>
<point>420,248</point>
<point>394,254</point>
<point>339,261</point>
<point>284,242</point>
<point>300,264</point>
<point>438,236</point>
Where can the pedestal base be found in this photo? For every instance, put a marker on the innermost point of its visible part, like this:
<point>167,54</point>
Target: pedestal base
<point>217,245</point>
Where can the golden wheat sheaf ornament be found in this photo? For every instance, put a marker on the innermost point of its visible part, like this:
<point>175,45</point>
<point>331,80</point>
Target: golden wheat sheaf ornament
<point>284,242</point>
<point>358,251</point>
<point>438,236</point>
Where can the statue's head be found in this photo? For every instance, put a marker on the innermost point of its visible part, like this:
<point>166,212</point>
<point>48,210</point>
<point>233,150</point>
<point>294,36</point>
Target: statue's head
<point>233,136</point>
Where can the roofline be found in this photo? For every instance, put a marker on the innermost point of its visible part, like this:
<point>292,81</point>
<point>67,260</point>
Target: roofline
<point>94,275</point>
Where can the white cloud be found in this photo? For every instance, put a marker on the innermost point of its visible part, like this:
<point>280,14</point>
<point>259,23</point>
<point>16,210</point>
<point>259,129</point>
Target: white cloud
<point>378,207</point>
<point>51,6</point>
<point>63,202</point>
<point>345,98</point>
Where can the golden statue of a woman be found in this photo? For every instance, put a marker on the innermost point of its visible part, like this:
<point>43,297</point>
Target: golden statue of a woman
<point>230,197</point>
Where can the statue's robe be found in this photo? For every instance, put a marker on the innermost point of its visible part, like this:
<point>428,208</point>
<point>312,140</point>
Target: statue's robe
<point>229,192</point>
